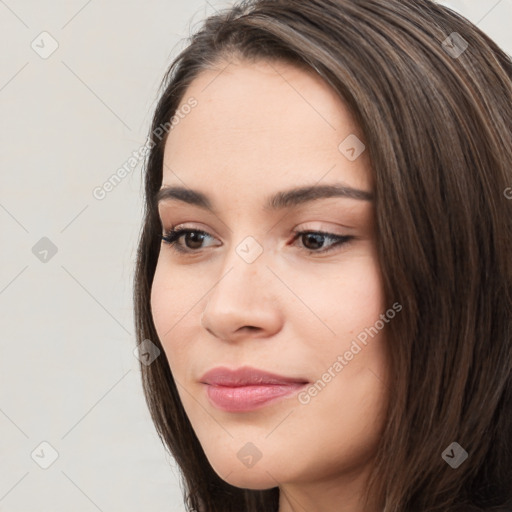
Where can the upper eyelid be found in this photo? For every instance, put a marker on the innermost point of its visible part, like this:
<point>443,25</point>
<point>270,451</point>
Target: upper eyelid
<point>327,230</point>
<point>296,232</point>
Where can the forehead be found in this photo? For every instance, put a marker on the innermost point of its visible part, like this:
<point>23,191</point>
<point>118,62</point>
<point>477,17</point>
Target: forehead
<point>263,125</point>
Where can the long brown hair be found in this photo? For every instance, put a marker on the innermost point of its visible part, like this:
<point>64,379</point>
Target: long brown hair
<point>433,97</point>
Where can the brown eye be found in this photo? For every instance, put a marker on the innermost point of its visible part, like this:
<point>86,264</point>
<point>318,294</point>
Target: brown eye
<point>313,241</point>
<point>194,238</point>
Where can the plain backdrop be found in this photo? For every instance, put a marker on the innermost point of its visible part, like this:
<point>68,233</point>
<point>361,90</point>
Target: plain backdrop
<point>78,85</point>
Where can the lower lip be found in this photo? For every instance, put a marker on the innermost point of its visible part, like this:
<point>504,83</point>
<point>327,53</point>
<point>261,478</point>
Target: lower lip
<point>248,398</point>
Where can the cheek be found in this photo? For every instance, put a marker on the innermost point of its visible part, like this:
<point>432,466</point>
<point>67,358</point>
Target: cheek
<point>362,294</point>
<point>347,300</point>
<point>362,291</point>
<point>160,293</point>
<point>173,294</point>
<point>170,306</point>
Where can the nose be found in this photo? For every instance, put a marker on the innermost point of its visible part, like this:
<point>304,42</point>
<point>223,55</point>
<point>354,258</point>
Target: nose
<point>244,301</point>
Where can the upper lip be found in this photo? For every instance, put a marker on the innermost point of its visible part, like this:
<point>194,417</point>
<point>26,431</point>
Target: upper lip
<point>246,376</point>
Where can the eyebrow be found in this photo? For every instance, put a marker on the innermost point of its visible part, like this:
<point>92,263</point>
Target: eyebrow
<point>278,201</point>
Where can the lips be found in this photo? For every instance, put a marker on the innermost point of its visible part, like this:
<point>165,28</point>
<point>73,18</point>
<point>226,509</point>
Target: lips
<point>246,376</point>
<point>247,389</point>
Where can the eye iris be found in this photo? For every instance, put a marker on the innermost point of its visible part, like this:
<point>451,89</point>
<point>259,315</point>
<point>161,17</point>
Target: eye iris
<point>315,237</point>
<point>196,237</point>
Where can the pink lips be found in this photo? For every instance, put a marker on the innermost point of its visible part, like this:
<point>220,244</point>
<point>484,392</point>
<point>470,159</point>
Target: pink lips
<point>247,388</point>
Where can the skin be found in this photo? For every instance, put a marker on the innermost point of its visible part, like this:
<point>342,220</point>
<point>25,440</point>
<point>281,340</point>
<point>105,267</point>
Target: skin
<point>260,128</point>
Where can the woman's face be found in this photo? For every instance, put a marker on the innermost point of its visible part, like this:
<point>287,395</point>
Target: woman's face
<point>269,298</point>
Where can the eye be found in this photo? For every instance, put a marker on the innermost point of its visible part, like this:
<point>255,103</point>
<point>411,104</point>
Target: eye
<point>173,236</point>
<point>194,238</point>
<point>315,238</point>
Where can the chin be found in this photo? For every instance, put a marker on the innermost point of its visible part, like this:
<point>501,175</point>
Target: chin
<point>258,477</point>
<point>251,479</point>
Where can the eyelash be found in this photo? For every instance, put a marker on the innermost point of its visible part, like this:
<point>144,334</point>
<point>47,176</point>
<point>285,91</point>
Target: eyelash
<point>172,237</point>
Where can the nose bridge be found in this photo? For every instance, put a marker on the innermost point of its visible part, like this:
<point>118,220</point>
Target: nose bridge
<point>242,296</point>
<point>244,268</point>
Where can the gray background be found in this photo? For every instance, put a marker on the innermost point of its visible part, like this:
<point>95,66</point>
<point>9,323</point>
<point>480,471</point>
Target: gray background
<point>68,375</point>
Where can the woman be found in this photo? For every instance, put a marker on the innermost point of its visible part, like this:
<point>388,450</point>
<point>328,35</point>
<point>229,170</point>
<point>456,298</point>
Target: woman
<point>325,260</point>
